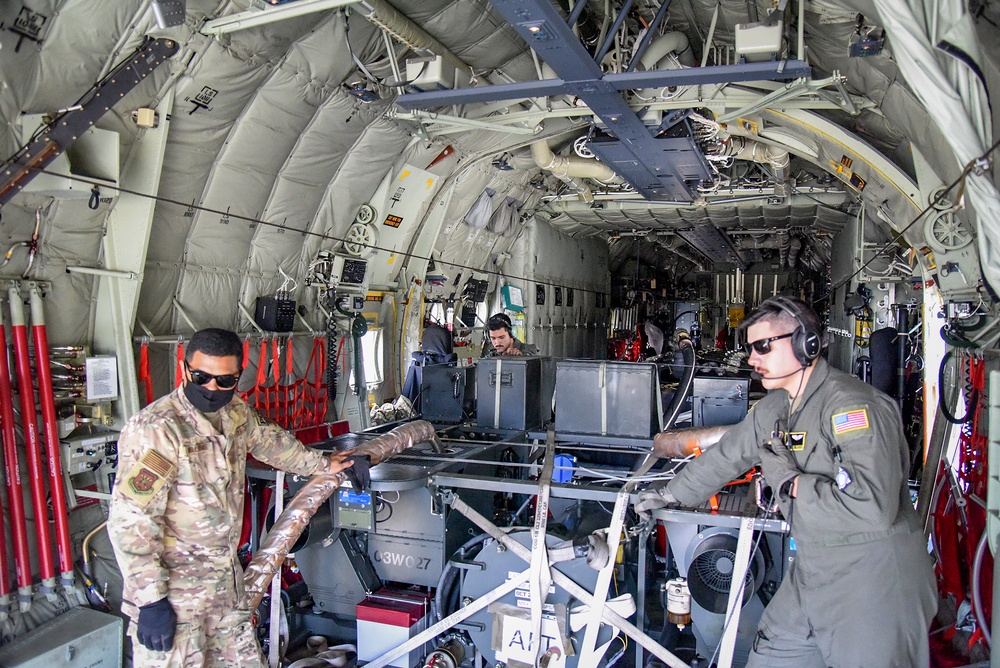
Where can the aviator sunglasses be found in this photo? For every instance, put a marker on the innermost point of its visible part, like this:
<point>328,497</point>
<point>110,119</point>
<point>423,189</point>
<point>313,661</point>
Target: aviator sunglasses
<point>763,346</point>
<point>225,381</point>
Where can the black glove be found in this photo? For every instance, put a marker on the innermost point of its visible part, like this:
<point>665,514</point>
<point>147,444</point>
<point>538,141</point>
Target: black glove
<point>157,624</point>
<point>359,473</point>
<point>778,465</point>
<point>651,499</point>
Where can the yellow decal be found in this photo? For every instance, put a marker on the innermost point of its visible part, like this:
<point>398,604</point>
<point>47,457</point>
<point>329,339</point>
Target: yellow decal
<point>405,173</point>
<point>430,182</point>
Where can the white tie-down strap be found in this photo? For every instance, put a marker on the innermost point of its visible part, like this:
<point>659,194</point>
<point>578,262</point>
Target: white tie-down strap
<point>734,607</point>
<point>541,578</point>
<point>496,397</point>
<point>603,382</point>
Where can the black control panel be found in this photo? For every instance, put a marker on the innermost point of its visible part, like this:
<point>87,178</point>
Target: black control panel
<point>353,272</point>
<point>275,315</point>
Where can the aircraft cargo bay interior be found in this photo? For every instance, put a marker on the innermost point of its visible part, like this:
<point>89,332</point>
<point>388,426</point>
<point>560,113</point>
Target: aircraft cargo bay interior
<point>499,333</point>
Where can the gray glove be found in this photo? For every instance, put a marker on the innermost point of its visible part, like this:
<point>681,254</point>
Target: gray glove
<point>778,465</point>
<point>651,499</point>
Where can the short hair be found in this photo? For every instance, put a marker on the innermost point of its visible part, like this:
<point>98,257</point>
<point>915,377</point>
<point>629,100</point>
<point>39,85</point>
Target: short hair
<point>784,310</point>
<point>500,321</point>
<point>215,342</point>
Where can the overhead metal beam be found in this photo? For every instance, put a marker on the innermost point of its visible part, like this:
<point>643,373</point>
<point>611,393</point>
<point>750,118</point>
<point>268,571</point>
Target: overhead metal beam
<point>688,76</point>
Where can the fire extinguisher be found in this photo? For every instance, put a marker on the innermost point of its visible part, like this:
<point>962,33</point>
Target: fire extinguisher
<point>864,320</point>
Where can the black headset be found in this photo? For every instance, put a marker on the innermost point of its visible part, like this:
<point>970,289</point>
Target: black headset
<point>806,343</point>
<point>500,321</point>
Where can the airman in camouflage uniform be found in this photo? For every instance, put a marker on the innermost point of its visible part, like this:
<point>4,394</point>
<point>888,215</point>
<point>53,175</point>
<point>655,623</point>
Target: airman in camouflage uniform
<point>177,509</point>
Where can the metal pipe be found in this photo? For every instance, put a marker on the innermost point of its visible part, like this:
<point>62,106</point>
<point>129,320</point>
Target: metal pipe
<point>32,447</point>
<point>15,490</point>
<point>571,166</point>
<point>57,488</point>
<point>110,273</point>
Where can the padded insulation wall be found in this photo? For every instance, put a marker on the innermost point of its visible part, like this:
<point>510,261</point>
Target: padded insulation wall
<point>549,261</point>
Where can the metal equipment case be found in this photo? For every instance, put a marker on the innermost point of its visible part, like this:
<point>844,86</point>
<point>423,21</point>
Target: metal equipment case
<point>607,398</point>
<point>509,392</point>
<point>718,401</point>
<point>80,638</point>
<point>447,392</point>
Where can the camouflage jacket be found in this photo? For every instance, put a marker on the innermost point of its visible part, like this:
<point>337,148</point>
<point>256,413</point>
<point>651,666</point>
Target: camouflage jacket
<point>177,507</point>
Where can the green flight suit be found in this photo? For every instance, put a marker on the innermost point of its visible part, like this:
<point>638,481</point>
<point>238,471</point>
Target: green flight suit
<point>860,592</point>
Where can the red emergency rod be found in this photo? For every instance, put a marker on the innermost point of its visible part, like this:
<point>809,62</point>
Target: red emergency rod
<point>32,446</point>
<point>15,491</point>
<point>47,399</point>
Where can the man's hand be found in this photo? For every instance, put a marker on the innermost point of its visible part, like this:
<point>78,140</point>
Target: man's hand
<point>157,625</point>
<point>512,351</point>
<point>338,461</point>
<point>359,473</point>
<point>651,499</point>
<point>779,467</point>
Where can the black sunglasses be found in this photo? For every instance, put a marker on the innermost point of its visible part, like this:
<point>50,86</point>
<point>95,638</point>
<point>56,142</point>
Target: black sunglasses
<point>225,381</point>
<point>763,346</point>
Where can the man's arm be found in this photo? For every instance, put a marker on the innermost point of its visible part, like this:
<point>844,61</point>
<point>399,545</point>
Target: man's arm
<point>273,445</point>
<point>138,503</point>
<point>703,476</point>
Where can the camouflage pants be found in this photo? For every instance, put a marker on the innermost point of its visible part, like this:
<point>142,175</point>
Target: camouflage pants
<point>215,643</point>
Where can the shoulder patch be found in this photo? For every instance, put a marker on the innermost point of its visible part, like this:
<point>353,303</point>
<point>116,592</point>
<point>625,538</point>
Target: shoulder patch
<point>146,477</point>
<point>850,421</point>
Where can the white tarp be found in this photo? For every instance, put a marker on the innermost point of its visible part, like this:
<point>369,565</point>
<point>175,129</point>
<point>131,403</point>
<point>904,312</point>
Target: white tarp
<point>934,43</point>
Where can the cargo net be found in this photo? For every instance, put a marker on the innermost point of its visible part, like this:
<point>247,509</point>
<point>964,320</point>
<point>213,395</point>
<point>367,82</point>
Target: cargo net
<point>293,402</point>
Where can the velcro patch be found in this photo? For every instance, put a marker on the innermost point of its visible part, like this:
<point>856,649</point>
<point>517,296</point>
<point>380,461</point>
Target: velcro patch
<point>850,421</point>
<point>146,477</point>
<point>797,441</point>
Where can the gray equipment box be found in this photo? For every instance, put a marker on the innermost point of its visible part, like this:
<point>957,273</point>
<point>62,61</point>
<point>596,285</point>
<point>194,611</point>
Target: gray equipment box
<point>80,638</point>
<point>719,401</point>
<point>447,393</point>
<point>607,398</point>
<point>508,393</point>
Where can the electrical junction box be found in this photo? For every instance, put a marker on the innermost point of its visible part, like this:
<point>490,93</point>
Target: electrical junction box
<point>88,452</point>
<point>430,73</point>
<point>274,314</point>
<point>79,638</point>
<point>756,42</point>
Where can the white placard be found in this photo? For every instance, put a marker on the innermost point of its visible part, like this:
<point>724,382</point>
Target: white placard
<point>518,641</point>
<point>102,378</point>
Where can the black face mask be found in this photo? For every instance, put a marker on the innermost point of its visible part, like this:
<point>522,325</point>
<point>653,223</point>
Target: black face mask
<point>205,400</point>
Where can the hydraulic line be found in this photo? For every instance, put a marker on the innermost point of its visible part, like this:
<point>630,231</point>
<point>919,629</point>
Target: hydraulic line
<point>15,491</point>
<point>32,447</point>
<point>47,400</point>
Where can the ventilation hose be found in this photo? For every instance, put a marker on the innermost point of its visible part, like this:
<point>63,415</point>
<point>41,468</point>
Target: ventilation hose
<point>684,388</point>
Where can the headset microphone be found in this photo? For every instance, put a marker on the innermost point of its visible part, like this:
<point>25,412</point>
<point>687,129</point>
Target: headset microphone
<point>757,376</point>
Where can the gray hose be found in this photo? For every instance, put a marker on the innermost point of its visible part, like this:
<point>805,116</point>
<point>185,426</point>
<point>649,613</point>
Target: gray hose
<point>684,389</point>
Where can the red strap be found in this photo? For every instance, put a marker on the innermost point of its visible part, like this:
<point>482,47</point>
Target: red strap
<point>246,353</point>
<point>144,376</point>
<point>179,375</point>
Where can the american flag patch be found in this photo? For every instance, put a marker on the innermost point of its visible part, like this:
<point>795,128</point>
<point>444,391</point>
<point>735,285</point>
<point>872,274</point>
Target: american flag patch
<point>850,421</point>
